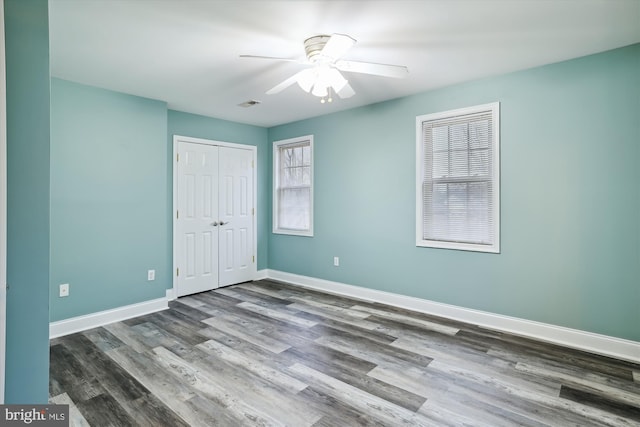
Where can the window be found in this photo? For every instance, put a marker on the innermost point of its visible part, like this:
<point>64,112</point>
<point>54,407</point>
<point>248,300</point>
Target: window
<point>458,181</point>
<point>293,186</point>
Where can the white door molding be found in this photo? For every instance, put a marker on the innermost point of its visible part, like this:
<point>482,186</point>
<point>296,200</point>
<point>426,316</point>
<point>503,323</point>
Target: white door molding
<point>177,139</point>
<point>3,204</point>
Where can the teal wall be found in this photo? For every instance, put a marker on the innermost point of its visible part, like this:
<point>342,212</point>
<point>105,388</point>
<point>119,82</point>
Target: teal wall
<point>27,67</point>
<point>196,126</point>
<point>111,194</point>
<point>570,185</point>
<point>108,199</point>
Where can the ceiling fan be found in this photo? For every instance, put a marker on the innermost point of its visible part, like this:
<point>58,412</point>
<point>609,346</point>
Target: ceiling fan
<point>323,78</point>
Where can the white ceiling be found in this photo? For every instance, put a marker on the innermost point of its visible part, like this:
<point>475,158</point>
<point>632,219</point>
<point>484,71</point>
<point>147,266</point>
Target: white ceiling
<point>185,52</point>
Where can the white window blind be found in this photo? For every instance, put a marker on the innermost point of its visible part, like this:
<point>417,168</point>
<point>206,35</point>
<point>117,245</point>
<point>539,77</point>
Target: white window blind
<point>459,179</point>
<point>293,191</point>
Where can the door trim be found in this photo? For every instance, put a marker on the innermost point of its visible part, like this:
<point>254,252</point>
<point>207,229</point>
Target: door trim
<point>3,205</point>
<point>191,140</point>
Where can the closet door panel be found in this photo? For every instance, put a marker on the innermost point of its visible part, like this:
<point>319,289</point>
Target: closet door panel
<point>236,214</point>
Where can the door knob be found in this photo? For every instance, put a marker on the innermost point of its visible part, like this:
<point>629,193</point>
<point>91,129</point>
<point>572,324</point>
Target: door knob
<point>223,223</point>
<point>215,224</point>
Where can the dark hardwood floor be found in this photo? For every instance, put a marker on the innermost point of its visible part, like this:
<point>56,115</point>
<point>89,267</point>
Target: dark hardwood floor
<point>268,354</point>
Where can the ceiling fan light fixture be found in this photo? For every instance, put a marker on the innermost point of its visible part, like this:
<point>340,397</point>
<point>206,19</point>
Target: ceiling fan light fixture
<point>319,90</point>
<point>325,78</point>
<point>306,79</point>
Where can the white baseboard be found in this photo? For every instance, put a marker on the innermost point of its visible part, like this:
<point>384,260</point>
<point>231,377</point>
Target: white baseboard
<point>171,294</point>
<point>262,274</point>
<point>588,341</point>
<point>93,320</point>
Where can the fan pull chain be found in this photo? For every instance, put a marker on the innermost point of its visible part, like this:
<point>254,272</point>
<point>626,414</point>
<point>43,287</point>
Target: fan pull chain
<point>329,99</point>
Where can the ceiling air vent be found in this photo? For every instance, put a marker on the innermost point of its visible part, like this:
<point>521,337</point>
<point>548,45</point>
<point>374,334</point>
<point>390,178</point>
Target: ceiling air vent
<point>249,103</point>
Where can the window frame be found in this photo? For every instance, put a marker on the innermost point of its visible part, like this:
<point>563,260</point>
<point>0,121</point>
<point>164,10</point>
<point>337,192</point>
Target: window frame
<point>276,229</point>
<point>494,108</point>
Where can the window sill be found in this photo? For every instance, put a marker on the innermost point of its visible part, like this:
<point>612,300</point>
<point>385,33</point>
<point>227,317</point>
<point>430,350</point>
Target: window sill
<point>493,249</point>
<point>293,233</point>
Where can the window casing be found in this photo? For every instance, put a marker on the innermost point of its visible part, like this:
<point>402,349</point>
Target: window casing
<point>458,179</point>
<point>293,186</point>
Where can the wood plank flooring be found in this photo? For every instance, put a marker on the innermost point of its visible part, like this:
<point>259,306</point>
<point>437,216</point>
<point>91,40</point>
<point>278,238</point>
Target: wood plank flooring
<point>268,354</point>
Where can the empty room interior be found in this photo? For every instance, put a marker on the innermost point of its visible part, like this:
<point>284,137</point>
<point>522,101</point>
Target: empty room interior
<point>321,213</point>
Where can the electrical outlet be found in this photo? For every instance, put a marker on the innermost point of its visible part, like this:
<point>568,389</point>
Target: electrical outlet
<point>64,290</point>
<point>151,275</point>
<point>336,261</point>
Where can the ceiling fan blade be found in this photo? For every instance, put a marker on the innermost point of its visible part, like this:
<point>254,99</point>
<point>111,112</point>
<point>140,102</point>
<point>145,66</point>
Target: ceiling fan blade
<point>337,45</point>
<point>335,79</point>
<point>273,58</point>
<point>285,84</point>
<point>346,91</point>
<point>386,70</point>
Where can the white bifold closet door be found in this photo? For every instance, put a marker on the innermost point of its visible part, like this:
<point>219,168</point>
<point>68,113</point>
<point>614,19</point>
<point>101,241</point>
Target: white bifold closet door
<point>214,218</point>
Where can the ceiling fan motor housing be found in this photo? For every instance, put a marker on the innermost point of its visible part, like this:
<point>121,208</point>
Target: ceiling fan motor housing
<point>313,46</point>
